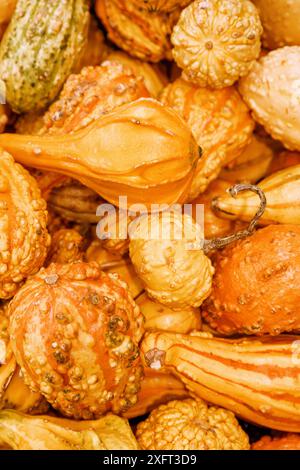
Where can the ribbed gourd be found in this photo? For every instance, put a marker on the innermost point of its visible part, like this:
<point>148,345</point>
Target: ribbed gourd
<point>40,48</point>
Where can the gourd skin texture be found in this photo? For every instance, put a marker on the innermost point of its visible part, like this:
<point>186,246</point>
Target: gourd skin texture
<point>282,190</point>
<point>66,247</point>
<point>78,343</point>
<point>217,41</point>
<point>143,35</point>
<point>153,77</point>
<point>271,92</point>
<point>280,20</point>
<point>256,284</point>
<point>191,425</point>
<point>172,266</point>
<point>220,122</point>
<point>257,379</point>
<point>14,393</point>
<point>161,154</point>
<point>22,432</point>
<point>23,219</point>
<point>287,441</point>
<point>157,388</point>
<point>34,70</point>
<point>161,5</point>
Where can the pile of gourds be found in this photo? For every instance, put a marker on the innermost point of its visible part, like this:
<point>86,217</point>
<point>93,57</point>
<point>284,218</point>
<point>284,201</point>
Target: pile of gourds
<point>194,331</point>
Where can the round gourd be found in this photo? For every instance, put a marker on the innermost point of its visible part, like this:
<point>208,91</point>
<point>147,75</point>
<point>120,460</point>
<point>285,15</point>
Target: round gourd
<point>77,343</point>
<point>136,31</point>
<point>217,41</point>
<point>288,441</point>
<point>255,287</point>
<point>271,90</point>
<point>191,425</point>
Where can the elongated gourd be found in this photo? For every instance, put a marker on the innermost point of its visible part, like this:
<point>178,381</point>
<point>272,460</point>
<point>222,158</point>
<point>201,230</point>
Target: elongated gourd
<point>282,190</point>
<point>41,46</point>
<point>142,150</point>
<point>257,379</point>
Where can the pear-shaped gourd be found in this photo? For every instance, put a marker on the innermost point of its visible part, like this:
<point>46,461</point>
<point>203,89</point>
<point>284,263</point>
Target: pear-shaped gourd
<point>141,150</point>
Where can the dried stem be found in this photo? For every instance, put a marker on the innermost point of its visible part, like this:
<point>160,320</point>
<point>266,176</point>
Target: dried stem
<point>218,243</point>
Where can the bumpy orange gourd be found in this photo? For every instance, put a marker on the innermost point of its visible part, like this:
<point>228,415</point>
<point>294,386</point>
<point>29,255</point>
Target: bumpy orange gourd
<point>90,94</point>
<point>14,393</point>
<point>287,441</point>
<point>282,190</point>
<point>157,388</point>
<point>133,29</point>
<point>257,379</point>
<point>220,122</point>
<point>255,287</point>
<point>67,246</point>
<point>78,342</point>
<point>217,41</point>
<point>155,162</point>
<point>191,425</point>
<point>23,233</point>
<point>155,80</point>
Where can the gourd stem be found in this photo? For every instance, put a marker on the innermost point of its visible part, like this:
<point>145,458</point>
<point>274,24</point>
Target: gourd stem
<point>218,243</point>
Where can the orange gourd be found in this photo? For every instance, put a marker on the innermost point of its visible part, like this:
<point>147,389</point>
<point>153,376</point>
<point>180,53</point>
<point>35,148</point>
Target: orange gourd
<point>155,162</point>
<point>77,344</point>
<point>257,379</point>
<point>191,425</point>
<point>156,388</point>
<point>220,122</point>
<point>23,233</point>
<point>255,287</point>
<point>287,441</point>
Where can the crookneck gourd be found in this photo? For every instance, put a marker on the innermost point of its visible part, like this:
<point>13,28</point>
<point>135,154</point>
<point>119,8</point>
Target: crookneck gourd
<point>143,151</point>
<point>259,380</point>
<point>77,343</point>
<point>41,46</point>
<point>282,190</point>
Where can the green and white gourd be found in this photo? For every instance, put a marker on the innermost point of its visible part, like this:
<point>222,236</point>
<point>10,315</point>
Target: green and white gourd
<point>41,47</point>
